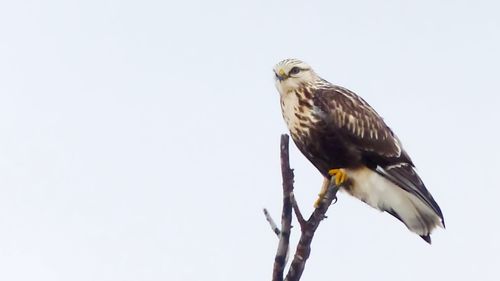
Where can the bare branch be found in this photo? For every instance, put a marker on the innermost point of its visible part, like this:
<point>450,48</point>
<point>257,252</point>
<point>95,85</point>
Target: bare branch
<point>308,229</point>
<point>286,215</point>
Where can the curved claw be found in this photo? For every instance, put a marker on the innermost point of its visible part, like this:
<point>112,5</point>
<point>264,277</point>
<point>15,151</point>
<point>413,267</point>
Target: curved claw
<point>334,200</point>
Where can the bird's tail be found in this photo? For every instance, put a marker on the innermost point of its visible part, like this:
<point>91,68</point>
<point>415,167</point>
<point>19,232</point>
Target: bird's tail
<point>420,212</point>
<point>418,217</point>
<point>380,192</point>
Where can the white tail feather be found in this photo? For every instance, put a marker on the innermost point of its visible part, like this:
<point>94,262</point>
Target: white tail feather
<point>382,194</point>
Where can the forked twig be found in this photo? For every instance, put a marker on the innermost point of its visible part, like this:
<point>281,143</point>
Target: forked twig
<point>307,227</point>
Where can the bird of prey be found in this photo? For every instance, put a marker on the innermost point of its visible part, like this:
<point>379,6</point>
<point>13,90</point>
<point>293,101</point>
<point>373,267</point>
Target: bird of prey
<point>348,142</point>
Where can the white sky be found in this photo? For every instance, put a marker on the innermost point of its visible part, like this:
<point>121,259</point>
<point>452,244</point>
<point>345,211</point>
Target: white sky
<point>140,139</point>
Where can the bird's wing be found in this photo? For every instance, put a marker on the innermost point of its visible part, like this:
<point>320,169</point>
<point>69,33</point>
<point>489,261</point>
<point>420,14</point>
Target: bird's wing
<point>350,116</point>
<point>361,126</point>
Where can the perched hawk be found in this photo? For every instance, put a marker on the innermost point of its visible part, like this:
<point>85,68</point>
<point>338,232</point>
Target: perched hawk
<point>345,138</point>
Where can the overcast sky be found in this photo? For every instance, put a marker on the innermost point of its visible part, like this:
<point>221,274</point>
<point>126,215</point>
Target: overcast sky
<point>139,140</point>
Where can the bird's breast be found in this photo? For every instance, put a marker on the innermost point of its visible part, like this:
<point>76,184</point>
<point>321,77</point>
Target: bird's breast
<point>298,112</point>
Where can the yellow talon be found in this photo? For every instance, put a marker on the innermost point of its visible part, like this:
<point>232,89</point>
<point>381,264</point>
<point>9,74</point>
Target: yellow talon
<point>339,174</point>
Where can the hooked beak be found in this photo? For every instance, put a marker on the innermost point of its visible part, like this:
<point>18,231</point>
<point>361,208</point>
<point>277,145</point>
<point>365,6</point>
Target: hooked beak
<point>280,75</point>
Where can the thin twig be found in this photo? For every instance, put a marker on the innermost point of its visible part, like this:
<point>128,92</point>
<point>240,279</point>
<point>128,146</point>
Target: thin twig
<point>271,222</point>
<point>297,212</point>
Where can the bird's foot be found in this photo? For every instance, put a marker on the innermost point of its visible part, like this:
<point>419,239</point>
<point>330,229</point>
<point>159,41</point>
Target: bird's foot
<point>318,201</point>
<point>322,192</point>
<point>339,174</point>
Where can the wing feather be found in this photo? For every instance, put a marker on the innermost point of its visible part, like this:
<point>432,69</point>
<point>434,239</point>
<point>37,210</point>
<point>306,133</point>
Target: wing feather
<point>357,121</point>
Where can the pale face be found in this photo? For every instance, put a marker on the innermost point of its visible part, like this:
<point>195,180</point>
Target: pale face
<point>290,74</point>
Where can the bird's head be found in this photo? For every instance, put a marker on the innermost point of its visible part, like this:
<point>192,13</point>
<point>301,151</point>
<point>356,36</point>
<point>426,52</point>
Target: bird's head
<point>291,74</point>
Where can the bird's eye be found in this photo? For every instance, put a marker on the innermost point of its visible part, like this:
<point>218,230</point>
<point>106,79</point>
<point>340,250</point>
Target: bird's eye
<point>294,70</point>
